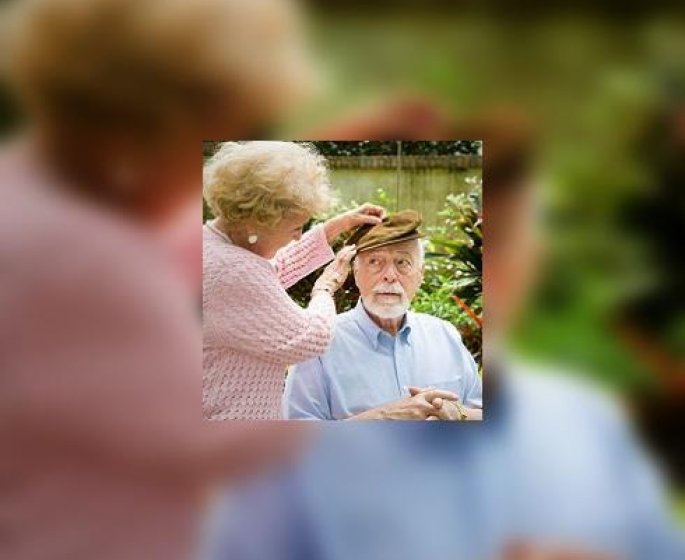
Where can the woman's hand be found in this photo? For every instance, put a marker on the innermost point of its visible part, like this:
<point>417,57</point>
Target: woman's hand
<point>365,214</point>
<point>335,274</point>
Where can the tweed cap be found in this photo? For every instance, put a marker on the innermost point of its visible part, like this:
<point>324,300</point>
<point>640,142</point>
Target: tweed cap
<point>394,228</point>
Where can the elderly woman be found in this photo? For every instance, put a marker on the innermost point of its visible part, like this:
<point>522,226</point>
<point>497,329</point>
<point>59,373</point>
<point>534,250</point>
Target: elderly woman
<point>101,432</point>
<point>262,194</point>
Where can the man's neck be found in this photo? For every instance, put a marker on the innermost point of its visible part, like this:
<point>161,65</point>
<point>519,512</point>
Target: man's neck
<point>391,326</point>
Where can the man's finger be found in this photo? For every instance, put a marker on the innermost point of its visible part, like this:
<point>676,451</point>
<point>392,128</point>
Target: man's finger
<point>413,391</point>
<point>347,250</point>
<point>346,254</point>
<point>435,393</point>
<point>447,412</point>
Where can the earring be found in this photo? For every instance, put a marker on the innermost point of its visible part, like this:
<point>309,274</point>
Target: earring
<point>252,238</point>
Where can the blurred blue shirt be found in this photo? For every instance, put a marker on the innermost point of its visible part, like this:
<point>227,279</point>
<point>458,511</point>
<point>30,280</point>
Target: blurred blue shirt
<point>366,367</point>
<point>553,463</point>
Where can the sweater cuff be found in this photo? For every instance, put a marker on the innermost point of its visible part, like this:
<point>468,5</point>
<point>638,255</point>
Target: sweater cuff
<point>322,253</point>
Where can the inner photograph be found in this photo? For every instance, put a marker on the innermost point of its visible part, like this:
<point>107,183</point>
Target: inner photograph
<point>342,280</point>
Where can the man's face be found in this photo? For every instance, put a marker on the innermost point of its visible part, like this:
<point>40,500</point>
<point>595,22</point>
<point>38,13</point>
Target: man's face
<point>388,278</point>
<point>512,257</point>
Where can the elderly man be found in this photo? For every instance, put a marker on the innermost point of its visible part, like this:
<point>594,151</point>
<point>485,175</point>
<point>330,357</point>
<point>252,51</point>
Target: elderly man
<point>385,361</point>
<point>554,474</point>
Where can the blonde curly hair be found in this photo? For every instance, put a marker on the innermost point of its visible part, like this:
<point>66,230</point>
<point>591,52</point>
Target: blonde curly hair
<point>155,65</point>
<point>264,181</point>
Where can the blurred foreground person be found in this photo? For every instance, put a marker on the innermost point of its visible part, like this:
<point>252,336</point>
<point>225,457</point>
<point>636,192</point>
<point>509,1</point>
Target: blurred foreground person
<point>386,362</point>
<point>104,451</point>
<point>262,194</point>
<point>553,473</point>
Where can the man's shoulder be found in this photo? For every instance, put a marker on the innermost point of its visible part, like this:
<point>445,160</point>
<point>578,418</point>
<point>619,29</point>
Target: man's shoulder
<point>425,318</point>
<point>563,392</point>
<point>346,319</point>
<point>344,328</point>
<point>432,323</point>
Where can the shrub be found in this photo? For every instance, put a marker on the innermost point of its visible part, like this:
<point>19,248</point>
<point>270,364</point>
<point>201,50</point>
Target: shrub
<point>453,280</point>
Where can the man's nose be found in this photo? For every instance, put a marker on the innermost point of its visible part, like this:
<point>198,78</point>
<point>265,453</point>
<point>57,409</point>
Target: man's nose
<point>389,272</point>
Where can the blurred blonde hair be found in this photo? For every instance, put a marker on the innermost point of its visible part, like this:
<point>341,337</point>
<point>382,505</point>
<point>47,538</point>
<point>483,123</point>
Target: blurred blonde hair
<point>264,181</point>
<point>147,65</point>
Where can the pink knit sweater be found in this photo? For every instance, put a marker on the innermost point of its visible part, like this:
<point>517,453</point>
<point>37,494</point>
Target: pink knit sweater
<point>252,329</point>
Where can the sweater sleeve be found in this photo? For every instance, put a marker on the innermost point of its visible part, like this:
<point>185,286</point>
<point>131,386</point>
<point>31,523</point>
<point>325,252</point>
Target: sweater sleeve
<point>105,370</point>
<point>249,310</point>
<point>296,260</point>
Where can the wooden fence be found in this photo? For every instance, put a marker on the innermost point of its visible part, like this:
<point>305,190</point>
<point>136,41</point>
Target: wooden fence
<point>418,182</point>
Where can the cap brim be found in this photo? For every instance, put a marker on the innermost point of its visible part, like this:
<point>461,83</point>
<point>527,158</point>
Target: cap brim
<point>415,235</point>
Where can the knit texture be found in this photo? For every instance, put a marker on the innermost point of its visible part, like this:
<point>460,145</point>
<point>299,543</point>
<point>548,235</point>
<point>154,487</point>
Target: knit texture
<point>252,329</point>
<point>103,451</point>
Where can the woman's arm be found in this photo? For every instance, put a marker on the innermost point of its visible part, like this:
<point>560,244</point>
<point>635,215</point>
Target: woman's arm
<point>249,310</point>
<point>121,381</point>
<point>296,260</point>
<point>245,308</point>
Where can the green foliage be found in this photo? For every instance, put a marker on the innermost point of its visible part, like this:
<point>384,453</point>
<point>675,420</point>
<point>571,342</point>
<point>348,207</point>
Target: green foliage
<point>457,245</point>
<point>454,267</point>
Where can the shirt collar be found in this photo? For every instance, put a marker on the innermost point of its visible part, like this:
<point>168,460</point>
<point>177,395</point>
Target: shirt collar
<point>373,332</point>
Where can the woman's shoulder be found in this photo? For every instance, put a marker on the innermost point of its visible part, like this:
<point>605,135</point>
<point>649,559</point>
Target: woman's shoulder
<point>223,262</point>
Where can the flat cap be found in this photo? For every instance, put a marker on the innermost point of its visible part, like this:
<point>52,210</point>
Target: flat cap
<point>394,228</point>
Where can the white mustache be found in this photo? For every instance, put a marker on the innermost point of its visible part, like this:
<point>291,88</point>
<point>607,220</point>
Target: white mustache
<point>388,289</point>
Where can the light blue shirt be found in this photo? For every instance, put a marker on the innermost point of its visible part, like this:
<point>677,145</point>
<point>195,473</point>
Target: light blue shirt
<point>366,367</point>
<point>553,463</point>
